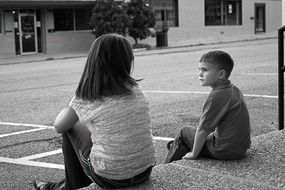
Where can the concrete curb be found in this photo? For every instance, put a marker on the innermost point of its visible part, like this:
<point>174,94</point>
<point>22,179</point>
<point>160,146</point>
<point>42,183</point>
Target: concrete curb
<point>173,47</point>
<point>263,169</point>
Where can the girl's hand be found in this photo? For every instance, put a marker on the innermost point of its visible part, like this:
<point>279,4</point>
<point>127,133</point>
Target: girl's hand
<point>189,156</point>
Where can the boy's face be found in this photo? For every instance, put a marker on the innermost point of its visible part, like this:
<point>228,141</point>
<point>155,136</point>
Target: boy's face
<point>209,74</point>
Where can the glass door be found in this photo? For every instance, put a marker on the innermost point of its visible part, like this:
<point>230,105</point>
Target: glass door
<point>259,18</point>
<point>28,34</point>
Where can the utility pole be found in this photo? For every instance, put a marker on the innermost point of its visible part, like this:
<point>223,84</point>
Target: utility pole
<point>281,70</point>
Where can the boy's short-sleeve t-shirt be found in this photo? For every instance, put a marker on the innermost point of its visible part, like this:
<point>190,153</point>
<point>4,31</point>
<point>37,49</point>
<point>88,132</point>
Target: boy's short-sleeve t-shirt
<point>225,115</point>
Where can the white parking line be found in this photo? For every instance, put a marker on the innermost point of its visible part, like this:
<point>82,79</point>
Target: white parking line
<point>59,151</point>
<point>31,163</point>
<point>20,132</point>
<point>174,92</point>
<point>27,125</point>
<point>200,92</point>
<point>259,74</point>
<point>27,160</point>
<point>260,96</point>
<point>39,128</point>
<point>163,138</point>
<point>42,127</point>
<point>41,155</point>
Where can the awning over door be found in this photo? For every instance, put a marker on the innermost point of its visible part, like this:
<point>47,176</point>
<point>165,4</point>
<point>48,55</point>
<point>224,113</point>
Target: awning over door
<point>44,3</point>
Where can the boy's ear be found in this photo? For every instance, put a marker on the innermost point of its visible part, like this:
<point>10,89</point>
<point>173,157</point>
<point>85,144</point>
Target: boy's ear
<point>222,74</point>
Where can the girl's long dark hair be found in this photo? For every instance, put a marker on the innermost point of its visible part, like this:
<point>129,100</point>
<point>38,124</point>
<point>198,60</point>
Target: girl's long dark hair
<point>108,68</point>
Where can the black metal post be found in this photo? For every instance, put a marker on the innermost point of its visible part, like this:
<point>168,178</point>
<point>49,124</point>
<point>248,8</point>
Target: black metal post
<point>281,70</point>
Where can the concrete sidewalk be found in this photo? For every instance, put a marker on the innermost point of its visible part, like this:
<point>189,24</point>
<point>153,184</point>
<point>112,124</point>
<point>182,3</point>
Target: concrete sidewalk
<point>177,45</point>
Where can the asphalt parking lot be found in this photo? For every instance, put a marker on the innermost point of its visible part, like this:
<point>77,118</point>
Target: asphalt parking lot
<point>33,93</point>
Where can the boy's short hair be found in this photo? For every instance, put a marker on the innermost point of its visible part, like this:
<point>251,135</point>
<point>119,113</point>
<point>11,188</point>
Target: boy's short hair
<point>219,58</point>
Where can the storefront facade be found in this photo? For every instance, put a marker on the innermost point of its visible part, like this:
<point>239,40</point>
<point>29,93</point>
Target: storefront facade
<point>199,19</point>
<point>41,26</point>
<point>31,27</point>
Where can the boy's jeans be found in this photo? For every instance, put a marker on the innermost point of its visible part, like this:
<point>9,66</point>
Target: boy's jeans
<point>183,144</point>
<point>76,148</point>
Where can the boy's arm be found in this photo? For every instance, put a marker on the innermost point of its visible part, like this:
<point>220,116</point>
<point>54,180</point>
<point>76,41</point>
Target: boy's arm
<point>65,120</point>
<point>199,141</point>
<point>215,108</point>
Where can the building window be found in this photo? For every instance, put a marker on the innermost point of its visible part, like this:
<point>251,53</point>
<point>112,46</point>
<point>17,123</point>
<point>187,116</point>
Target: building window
<point>63,19</point>
<point>71,19</point>
<point>223,12</point>
<point>166,12</point>
<point>82,19</point>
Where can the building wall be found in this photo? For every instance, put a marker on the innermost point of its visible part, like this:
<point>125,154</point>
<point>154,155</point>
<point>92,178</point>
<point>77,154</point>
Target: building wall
<point>191,26</point>
<point>56,42</point>
<point>7,45</point>
<point>70,41</point>
<point>283,12</point>
<point>191,20</point>
<point>7,42</point>
<point>273,13</point>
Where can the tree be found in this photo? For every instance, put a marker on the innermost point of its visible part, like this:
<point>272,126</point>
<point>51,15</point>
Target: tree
<point>109,17</point>
<point>142,18</point>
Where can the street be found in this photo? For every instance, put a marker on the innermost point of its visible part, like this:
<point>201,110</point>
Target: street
<point>34,93</point>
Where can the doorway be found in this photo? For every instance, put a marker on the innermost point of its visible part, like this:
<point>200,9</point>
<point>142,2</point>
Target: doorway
<point>259,17</point>
<point>28,33</point>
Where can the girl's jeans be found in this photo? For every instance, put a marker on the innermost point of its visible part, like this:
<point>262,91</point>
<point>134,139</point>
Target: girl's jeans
<point>183,144</point>
<point>79,173</point>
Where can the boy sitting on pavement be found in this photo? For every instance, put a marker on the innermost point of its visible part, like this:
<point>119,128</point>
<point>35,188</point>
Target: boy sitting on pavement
<point>224,128</point>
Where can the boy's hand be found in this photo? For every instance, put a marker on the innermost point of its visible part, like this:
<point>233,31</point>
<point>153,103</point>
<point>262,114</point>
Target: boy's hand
<point>189,156</point>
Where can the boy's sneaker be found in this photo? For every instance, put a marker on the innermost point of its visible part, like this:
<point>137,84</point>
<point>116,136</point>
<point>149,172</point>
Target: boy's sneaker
<point>169,144</point>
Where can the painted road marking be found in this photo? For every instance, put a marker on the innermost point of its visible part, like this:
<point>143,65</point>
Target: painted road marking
<point>20,132</point>
<point>199,92</point>
<point>174,92</point>
<point>26,125</point>
<point>162,138</point>
<point>59,151</point>
<point>41,155</point>
<point>31,163</point>
<point>42,127</point>
<point>148,91</point>
<point>261,96</point>
<point>242,74</point>
<point>39,128</point>
<point>27,160</point>
<point>259,74</point>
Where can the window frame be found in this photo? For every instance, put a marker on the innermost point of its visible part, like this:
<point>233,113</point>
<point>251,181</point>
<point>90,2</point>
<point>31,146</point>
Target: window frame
<point>220,13</point>
<point>70,26</point>
<point>166,14</point>
<point>76,25</point>
<point>73,26</point>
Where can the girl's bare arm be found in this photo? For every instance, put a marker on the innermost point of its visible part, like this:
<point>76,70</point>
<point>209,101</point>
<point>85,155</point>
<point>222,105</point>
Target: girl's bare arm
<point>65,120</point>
